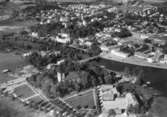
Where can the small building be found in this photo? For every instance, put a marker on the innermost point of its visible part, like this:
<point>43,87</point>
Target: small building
<point>104,48</point>
<point>62,38</point>
<point>140,55</point>
<point>34,34</point>
<point>164,60</point>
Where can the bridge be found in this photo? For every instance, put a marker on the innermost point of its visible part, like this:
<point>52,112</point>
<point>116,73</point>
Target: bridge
<point>88,59</point>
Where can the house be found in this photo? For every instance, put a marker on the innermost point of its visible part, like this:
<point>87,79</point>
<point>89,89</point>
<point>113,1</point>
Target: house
<point>104,48</point>
<point>62,38</point>
<point>150,60</point>
<point>34,34</point>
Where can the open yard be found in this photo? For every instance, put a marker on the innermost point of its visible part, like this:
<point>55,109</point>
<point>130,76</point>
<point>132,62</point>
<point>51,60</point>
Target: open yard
<point>9,61</point>
<point>24,91</point>
<point>82,100</point>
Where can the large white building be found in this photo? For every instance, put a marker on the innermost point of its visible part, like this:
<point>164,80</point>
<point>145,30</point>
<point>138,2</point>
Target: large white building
<point>111,99</point>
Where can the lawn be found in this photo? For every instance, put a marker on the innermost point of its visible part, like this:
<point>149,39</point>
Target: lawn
<point>82,100</point>
<point>159,107</point>
<point>24,91</point>
<point>11,108</point>
<point>9,61</point>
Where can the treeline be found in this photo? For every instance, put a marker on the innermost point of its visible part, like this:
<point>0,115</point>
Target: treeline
<point>65,53</point>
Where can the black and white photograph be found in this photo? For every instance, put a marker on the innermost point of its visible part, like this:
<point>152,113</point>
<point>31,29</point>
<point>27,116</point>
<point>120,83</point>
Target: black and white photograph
<point>83,58</point>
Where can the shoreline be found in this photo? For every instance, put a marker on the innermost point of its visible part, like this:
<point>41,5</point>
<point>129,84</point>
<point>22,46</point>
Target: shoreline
<point>138,62</point>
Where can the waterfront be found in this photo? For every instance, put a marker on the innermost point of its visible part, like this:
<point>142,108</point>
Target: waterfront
<point>157,77</point>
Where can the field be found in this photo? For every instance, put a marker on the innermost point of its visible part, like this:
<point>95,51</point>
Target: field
<point>83,100</point>
<point>10,108</point>
<point>36,99</point>
<point>24,91</point>
<point>9,61</point>
<point>159,107</point>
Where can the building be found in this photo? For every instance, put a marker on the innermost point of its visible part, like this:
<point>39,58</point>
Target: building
<point>164,60</point>
<point>104,48</point>
<point>62,38</point>
<point>111,99</point>
<point>119,53</point>
<point>140,55</point>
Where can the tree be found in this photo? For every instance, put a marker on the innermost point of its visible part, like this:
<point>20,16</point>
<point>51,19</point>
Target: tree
<point>140,77</point>
<point>79,107</point>
<point>41,2</point>
<point>84,78</point>
<point>109,79</point>
<point>127,72</point>
<point>165,47</point>
<point>134,109</point>
<point>95,49</point>
<point>111,113</point>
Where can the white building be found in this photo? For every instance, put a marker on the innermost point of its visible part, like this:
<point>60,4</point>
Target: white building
<point>112,100</point>
<point>62,38</point>
<point>119,54</point>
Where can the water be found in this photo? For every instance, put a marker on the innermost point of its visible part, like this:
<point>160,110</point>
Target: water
<point>157,77</point>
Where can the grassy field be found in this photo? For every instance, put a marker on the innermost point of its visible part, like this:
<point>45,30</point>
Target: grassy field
<point>10,108</point>
<point>159,107</point>
<point>82,100</point>
<point>24,91</point>
<point>9,61</point>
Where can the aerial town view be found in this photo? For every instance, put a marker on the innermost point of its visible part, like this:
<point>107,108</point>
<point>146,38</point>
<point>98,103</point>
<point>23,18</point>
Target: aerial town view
<point>83,58</point>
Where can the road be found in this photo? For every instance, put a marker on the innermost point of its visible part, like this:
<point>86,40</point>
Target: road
<point>88,59</point>
<point>132,60</point>
<point>39,92</point>
<point>77,94</point>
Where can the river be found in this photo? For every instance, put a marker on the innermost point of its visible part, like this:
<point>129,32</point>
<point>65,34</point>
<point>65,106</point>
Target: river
<point>157,77</point>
